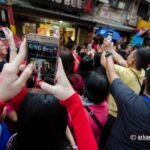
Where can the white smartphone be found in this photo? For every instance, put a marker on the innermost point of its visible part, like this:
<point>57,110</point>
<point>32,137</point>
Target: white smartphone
<point>43,53</point>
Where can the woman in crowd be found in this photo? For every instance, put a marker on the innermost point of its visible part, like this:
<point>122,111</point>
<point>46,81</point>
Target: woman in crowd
<point>35,110</point>
<point>95,102</point>
<point>69,64</point>
<point>86,66</point>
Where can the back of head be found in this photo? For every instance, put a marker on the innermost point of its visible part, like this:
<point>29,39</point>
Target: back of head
<point>96,87</point>
<point>86,65</point>
<point>41,123</point>
<point>142,58</point>
<point>70,44</point>
<point>67,60</point>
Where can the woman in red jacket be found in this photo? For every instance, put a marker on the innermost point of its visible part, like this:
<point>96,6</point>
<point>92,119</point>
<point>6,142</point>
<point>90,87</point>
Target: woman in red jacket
<point>11,85</point>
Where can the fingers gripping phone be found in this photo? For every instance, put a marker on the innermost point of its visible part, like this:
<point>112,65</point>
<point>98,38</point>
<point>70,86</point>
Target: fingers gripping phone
<point>43,53</point>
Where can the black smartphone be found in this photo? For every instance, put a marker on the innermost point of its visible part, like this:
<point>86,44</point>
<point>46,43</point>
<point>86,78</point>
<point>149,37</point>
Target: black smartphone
<point>2,34</point>
<point>43,53</point>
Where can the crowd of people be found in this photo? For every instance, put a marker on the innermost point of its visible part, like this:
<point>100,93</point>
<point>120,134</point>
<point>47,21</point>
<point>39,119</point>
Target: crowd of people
<point>101,99</point>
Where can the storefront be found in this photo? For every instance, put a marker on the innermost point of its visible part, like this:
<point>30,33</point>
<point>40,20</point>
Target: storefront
<point>29,19</point>
<point>6,16</point>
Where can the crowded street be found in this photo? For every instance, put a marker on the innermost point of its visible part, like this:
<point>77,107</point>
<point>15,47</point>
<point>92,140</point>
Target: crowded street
<point>75,75</point>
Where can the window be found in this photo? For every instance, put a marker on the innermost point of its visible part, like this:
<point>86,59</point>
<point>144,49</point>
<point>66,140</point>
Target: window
<point>121,4</point>
<point>143,10</point>
<point>3,17</point>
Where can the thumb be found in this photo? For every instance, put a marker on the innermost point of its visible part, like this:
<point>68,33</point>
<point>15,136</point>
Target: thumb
<point>47,87</point>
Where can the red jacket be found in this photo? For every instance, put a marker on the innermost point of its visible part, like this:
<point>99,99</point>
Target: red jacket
<point>15,102</point>
<point>83,133</point>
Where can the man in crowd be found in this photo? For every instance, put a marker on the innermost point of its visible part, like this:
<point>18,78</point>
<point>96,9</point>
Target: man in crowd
<point>131,73</point>
<point>131,129</point>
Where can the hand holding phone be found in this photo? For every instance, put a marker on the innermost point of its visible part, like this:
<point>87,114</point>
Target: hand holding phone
<point>43,53</point>
<point>109,36</point>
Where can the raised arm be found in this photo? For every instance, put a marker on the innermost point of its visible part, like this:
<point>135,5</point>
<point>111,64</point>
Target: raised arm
<point>119,59</point>
<point>10,83</point>
<point>108,46</point>
<point>71,100</point>
<point>110,68</point>
<point>120,92</point>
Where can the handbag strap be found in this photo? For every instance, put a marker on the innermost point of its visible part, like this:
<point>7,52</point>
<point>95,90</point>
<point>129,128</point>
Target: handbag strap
<point>141,85</point>
<point>137,78</point>
<point>91,113</point>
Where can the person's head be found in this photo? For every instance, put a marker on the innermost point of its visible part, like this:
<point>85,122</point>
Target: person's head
<point>97,60</point>
<point>41,124</point>
<point>96,87</point>
<point>67,60</point>
<point>84,46</point>
<point>70,44</point>
<point>86,65</point>
<point>3,50</point>
<point>139,58</point>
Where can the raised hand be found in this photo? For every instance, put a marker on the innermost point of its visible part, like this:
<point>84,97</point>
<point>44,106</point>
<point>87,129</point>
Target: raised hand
<point>10,83</point>
<point>63,89</point>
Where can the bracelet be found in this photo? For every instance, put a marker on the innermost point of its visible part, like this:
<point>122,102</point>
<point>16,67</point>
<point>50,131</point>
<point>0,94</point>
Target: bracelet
<point>108,53</point>
<point>74,147</point>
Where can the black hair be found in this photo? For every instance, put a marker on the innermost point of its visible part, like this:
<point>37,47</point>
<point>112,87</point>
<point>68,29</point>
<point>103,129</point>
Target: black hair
<point>123,46</point>
<point>96,87</point>
<point>30,82</point>
<point>86,65</point>
<point>42,123</point>
<point>142,58</point>
<point>78,49</point>
<point>97,60</point>
<point>85,44</point>
<point>67,60</point>
<point>70,44</point>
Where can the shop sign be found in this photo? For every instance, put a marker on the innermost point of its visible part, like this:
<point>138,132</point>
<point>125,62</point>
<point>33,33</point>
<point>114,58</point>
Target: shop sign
<point>75,5</point>
<point>143,24</point>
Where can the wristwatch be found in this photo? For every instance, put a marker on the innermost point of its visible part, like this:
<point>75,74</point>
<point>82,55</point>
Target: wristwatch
<point>108,53</point>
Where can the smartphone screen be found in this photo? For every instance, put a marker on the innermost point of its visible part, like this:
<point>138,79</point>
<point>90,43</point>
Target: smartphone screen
<point>109,36</point>
<point>43,53</point>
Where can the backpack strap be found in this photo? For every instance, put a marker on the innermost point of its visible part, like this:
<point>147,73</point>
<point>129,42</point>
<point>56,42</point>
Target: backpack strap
<point>91,113</point>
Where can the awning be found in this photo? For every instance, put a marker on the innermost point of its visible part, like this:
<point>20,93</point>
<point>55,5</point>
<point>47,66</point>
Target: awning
<point>112,24</point>
<point>25,8</point>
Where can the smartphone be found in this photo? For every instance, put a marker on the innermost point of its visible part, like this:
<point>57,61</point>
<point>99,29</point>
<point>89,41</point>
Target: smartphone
<point>109,36</point>
<point>2,34</point>
<point>43,53</point>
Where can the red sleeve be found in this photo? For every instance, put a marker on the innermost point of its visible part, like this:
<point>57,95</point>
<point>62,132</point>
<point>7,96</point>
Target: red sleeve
<point>83,133</point>
<point>15,102</point>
